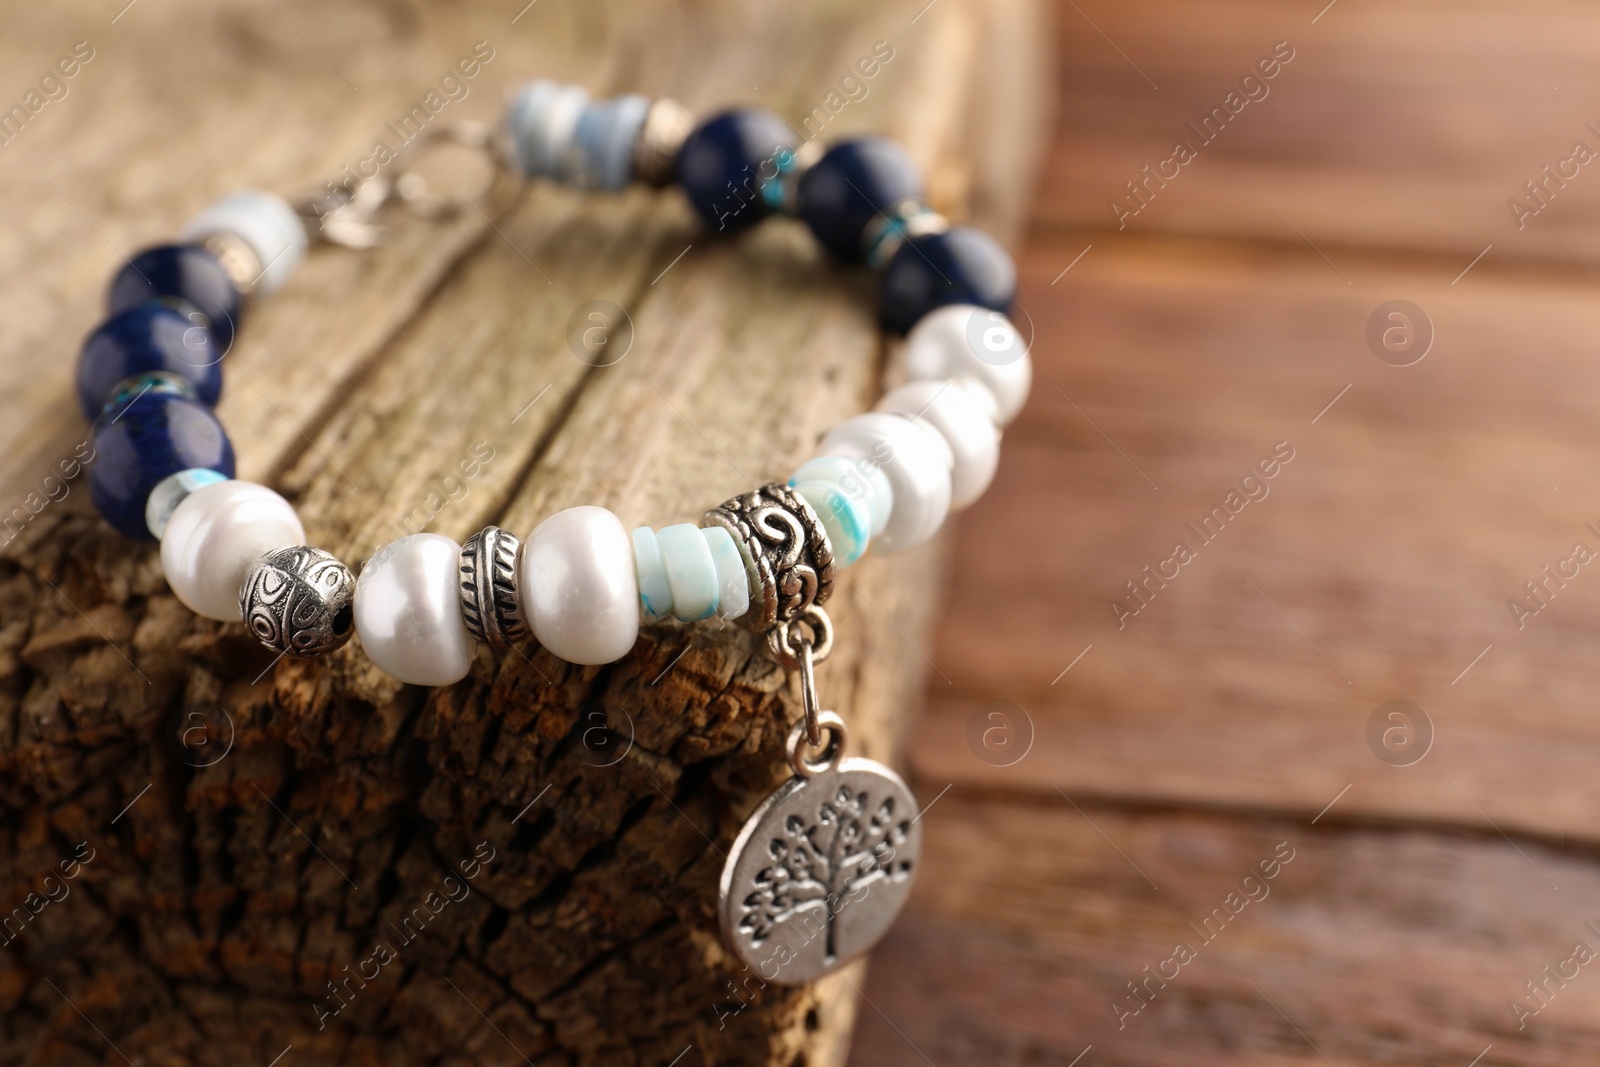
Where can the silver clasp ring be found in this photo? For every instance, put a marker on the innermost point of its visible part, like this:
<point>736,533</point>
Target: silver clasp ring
<point>829,757</point>
<point>350,219</point>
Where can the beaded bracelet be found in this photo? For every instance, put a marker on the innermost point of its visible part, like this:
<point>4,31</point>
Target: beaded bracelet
<point>838,838</point>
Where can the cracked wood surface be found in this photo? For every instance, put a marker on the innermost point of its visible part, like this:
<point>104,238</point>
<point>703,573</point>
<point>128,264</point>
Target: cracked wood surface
<point>581,813</point>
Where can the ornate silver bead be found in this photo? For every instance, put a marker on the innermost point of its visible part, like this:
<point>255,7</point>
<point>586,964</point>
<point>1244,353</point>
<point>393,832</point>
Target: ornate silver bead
<point>298,600</point>
<point>655,154</point>
<point>489,598</point>
<point>786,552</point>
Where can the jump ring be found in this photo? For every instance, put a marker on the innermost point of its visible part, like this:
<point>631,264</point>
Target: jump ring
<point>831,754</point>
<point>785,639</point>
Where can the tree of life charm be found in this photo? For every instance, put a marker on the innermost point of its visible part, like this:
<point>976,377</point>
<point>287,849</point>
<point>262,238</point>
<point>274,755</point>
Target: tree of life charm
<point>821,869</point>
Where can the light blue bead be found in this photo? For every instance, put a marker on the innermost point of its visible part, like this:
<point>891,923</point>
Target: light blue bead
<point>173,490</point>
<point>859,479</point>
<point>733,580</point>
<point>540,123</point>
<point>602,144</point>
<point>691,573</point>
<point>844,517</point>
<point>655,596</point>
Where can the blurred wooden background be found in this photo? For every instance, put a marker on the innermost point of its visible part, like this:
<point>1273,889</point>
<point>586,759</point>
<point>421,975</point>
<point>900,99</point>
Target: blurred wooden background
<point>1231,714</point>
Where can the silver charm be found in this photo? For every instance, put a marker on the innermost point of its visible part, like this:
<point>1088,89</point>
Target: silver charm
<point>299,600</point>
<point>489,601</point>
<point>786,552</point>
<point>822,868</point>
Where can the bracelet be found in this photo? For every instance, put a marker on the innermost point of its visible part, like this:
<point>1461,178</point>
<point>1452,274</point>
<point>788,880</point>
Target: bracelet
<point>581,583</point>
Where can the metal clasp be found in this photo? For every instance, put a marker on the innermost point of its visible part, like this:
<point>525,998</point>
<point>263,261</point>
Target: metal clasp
<point>800,644</point>
<point>349,217</point>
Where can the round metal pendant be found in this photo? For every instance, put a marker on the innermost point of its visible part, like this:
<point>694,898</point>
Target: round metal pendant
<point>820,870</point>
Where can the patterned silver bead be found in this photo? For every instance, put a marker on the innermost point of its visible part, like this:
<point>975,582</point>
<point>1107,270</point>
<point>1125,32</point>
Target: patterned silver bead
<point>490,603</point>
<point>786,552</point>
<point>299,600</point>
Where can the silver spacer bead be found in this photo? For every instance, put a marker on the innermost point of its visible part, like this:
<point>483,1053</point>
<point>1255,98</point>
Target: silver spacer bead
<point>885,235</point>
<point>490,602</point>
<point>786,552</point>
<point>805,157</point>
<point>655,154</point>
<point>239,261</point>
<point>299,600</point>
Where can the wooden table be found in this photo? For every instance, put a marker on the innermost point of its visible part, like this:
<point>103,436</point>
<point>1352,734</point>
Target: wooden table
<point>1441,861</point>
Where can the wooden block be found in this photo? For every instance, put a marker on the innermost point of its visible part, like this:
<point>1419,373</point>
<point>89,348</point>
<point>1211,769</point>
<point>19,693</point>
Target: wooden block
<point>232,904</point>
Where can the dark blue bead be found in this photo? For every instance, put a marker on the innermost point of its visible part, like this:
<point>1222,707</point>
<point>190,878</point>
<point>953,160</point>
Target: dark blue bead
<point>142,440</point>
<point>729,166</point>
<point>153,336</point>
<point>857,182</point>
<point>962,265</point>
<point>188,273</point>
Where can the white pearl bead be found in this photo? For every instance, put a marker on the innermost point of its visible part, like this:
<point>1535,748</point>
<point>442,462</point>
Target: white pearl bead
<point>265,222</point>
<point>580,591</point>
<point>963,412</point>
<point>408,611</point>
<point>962,340</point>
<point>213,538</point>
<point>917,461</point>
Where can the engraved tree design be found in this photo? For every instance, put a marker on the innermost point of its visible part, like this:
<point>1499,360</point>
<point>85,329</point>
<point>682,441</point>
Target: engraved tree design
<point>826,862</point>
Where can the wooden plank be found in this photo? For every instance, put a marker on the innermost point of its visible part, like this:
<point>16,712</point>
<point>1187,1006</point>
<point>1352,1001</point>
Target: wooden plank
<point>1377,568</point>
<point>1368,946</point>
<point>1406,126</point>
<point>226,897</point>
